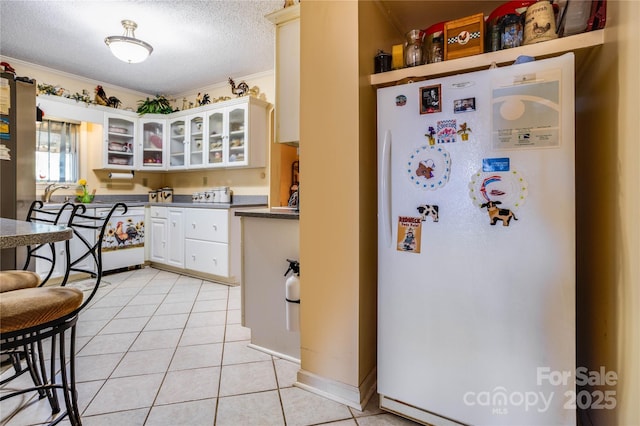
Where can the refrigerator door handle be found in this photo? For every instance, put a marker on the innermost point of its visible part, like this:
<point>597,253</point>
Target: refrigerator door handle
<point>385,188</point>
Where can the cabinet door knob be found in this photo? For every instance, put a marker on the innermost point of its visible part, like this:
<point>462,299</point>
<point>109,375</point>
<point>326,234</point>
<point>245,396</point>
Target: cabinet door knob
<point>193,225</point>
<point>215,260</point>
<point>173,223</point>
<point>215,227</point>
<point>193,256</point>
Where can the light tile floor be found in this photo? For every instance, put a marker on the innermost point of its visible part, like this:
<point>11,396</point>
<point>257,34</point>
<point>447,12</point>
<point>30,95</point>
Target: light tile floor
<point>159,348</point>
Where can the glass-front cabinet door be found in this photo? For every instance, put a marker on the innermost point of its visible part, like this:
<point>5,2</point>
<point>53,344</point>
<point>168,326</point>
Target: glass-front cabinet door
<point>152,143</point>
<point>237,135</point>
<point>228,136</point>
<point>216,146</point>
<point>177,144</point>
<point>119,142</point>
<point>196,144</point>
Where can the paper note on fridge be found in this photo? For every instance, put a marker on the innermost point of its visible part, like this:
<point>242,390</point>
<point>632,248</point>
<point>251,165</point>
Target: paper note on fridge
<point>409,233</point>
<point>527,115</point>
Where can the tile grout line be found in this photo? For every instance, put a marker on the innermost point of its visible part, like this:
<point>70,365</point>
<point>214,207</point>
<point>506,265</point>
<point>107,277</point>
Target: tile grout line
<point>129,347</point>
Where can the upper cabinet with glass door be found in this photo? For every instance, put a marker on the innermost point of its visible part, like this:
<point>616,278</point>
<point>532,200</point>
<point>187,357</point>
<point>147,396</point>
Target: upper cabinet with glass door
<point>151,144</point>
<point>237,134</point>
<point>216,146</point>
<point>177,143</point>
<point>196,148</point>
<point>119,133</point>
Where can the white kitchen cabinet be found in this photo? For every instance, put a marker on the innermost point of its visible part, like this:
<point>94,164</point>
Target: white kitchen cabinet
<point>287,104</point>
<point>151,153</point>
<point>207,224</point>
<point>157,235</point>
<point>175,237</point>
<point>233,133</point>
<point>187,148</point>
<point>196,130</point>
<point>207,256</point>
<point>237,133</point>
<point>200,241</point>
<point>206,241</point>
<point>119,141</point>
<point>177,144</point>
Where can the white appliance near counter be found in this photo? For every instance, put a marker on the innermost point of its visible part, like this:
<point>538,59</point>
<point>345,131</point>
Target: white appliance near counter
<point>476,250</point>
<point>123,242</point>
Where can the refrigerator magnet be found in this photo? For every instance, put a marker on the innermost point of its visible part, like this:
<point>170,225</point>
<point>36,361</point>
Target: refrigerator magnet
<point>464,131</point>
<point>447,131</point>
<point>431,135</point>
<point>464,105</point>
<point>428,210</point>
<point>401,100</point>
<point>409,234</point>
<point>500,193</point>
<point>429,167</point>
<point>430,99</point>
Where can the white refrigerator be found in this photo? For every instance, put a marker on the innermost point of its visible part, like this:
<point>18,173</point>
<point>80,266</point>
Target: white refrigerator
<point>476,249</point>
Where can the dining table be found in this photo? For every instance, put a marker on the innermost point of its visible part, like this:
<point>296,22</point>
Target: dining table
<point>16,233</point>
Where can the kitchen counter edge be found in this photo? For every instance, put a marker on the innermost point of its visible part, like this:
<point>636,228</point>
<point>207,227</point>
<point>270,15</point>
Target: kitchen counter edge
<point>270,213</point>
<point>107,205</point>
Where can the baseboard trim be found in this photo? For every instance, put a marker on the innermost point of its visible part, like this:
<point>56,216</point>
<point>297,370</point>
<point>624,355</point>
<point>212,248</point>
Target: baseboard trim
<point>354,397</point>
<point>274,353</point>
<point>415,414</point>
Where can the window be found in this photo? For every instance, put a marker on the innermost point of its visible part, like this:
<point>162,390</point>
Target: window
<point>57,151</point>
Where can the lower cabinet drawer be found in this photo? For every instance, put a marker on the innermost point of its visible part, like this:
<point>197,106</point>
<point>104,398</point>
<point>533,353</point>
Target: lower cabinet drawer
<point>207,257</point>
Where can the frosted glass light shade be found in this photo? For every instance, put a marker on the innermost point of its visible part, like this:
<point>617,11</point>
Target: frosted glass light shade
<point>127,48</point>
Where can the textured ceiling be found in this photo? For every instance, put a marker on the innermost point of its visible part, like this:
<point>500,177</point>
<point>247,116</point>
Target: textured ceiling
<point>196,43</point>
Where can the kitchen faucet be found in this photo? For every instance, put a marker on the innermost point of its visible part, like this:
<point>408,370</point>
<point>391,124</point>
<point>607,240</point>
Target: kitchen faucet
<point>50,189</point>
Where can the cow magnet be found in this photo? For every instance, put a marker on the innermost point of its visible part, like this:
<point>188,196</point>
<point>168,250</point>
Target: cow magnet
<point>497,214</point>
<point>428,210</point>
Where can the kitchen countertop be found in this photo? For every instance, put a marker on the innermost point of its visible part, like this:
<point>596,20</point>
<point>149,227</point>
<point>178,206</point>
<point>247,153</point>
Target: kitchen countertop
<point>207,205</point>
<point>240,201</point>
<point>272,213</point>
<point>14,233</point>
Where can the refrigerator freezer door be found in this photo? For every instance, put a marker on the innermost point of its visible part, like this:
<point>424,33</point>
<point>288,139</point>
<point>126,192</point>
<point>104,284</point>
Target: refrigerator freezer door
<point>470,320</point>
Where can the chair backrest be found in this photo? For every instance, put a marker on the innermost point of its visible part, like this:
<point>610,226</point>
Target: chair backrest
<point>37,214</point>
<point>83,223</point>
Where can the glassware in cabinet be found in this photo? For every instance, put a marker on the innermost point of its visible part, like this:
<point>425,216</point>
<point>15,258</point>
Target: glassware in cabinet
<point>237,135</point>
<point>119,142</point>
<point>196,143</point>
<point>152,144</point>
<point>216,139</point>
<point>177,144</point>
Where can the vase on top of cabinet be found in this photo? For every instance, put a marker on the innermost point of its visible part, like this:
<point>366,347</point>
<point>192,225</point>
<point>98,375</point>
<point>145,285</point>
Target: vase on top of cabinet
<point>151,144</point>
<point>119,136</point>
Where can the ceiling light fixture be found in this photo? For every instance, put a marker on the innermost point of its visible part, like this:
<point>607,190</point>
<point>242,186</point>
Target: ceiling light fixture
<point>127,47</point>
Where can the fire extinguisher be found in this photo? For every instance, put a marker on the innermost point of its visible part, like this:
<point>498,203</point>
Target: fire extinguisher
<point>292,296</point>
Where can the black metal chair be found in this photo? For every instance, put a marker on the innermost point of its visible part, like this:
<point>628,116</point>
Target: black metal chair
<point>23,278</point>
<point>31,315</point>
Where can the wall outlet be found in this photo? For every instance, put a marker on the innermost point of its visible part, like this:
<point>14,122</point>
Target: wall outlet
<point>205,179</point>
<point>145,182</point>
